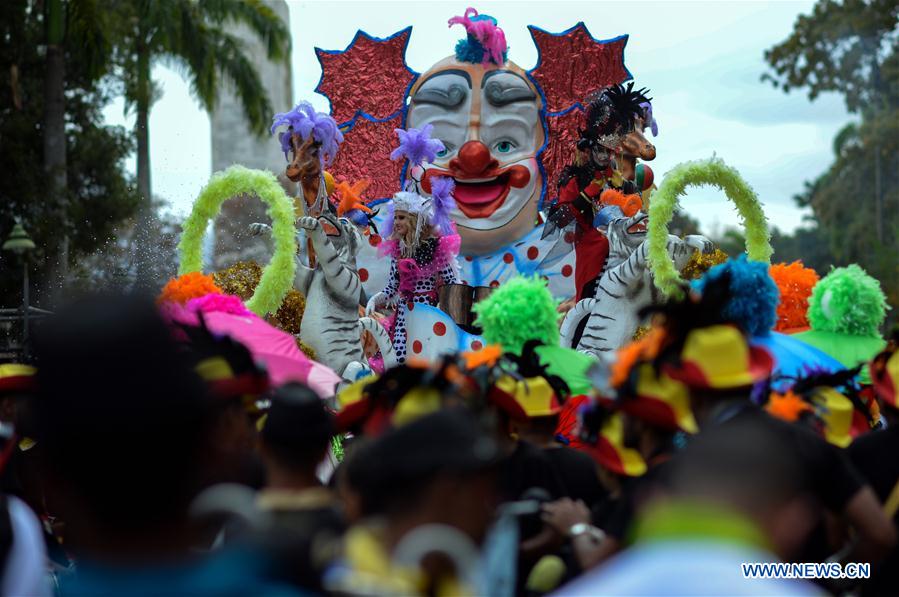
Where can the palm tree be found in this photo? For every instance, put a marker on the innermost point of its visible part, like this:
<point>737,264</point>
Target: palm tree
<point>192,36</point>
<point>78,25</point>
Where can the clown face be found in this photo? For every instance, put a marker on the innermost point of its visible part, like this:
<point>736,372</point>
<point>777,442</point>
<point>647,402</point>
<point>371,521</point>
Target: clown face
<point>489,122</point>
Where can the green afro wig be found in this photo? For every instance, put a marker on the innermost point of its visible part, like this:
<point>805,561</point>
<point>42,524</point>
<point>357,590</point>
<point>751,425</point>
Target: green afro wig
<point>522,309</point>
<point>847,301</point>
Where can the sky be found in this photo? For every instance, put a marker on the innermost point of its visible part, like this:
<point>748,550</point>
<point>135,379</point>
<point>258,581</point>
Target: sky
<point>701,60</point>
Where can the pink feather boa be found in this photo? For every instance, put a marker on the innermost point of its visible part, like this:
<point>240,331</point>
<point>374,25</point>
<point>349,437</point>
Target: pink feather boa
<point>410,272</point>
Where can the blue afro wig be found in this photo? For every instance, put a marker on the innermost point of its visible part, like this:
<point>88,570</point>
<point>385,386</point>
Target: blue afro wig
<point>754,295</point>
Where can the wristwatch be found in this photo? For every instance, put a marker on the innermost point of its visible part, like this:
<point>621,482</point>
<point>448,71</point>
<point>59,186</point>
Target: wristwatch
<point>582,528</point>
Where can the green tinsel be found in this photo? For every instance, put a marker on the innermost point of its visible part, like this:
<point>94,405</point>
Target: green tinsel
<point>277,277</point>
<point>519,310</point>
<point>337,447</point>
<point>847,301</point>
<point>713,172</point>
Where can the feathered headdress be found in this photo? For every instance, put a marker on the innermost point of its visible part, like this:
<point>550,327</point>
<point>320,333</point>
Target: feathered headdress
<point>304,121</point>
<point>417,146</point>
<point>485,42</point>
<point>610,115</point>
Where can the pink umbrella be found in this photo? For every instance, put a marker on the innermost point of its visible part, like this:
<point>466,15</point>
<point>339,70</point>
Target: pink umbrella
<point>275,349</point>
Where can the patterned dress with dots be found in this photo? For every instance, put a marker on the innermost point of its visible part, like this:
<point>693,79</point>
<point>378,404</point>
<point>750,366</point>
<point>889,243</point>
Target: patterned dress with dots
<point>425,291</point>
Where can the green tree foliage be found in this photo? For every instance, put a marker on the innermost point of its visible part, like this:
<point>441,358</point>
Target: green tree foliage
<point>194,37</point>
<point>98,192</point>
<point>851,47</point>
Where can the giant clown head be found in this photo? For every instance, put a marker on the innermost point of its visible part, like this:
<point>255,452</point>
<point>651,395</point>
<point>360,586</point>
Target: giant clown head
<point>488,117</point>
<point>507,131</point>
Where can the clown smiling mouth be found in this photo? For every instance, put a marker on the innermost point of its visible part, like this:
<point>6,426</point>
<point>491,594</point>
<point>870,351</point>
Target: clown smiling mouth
<point>480,198</point>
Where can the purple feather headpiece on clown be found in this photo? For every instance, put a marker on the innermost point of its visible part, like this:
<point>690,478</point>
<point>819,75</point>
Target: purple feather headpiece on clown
<point>305,121</point>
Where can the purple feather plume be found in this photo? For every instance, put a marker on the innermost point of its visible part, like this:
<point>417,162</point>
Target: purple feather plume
<point>649,120</point>
<point>442,194</point>
<point>305,121</point>
<point>417,146</point>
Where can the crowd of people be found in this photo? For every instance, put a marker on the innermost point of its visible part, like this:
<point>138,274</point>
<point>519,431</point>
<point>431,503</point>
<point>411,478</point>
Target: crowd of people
<point>142,456</point>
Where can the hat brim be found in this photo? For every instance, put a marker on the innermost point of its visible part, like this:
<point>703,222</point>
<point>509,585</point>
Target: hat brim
<point>759,368</point>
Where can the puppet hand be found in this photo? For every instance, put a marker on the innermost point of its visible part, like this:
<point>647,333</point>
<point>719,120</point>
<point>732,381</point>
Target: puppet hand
<point>308,223</point>
<point>374,302</point>
<point>700,243</point>
<point>258,228</point>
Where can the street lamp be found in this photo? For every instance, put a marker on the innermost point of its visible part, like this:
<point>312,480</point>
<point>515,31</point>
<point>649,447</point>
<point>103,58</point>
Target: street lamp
<point>20,243</point>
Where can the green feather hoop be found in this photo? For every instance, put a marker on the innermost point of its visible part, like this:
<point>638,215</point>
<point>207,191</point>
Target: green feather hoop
<point>716,173</point>
<point>277,277</point>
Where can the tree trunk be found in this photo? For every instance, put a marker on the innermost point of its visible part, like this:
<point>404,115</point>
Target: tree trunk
<point>142,130</point>
<point>54,126</point>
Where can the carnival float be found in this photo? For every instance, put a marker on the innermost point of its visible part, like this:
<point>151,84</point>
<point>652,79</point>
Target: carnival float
<point>481,203</point>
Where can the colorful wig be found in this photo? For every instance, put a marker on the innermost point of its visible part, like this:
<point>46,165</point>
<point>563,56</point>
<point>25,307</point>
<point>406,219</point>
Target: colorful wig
<point>795,283</point>
<point>848,301</point>
<point>520,310</point>
<point>752,303</point>
<point>485,42</point>
<point>304,121</point>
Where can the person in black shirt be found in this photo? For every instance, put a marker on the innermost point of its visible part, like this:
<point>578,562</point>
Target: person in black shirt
<point>302,512</point>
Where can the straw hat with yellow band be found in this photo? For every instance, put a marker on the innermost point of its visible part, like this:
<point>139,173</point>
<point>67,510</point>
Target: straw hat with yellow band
<point>15,377</point>
<point>718,357</point>
<point>657,399</point>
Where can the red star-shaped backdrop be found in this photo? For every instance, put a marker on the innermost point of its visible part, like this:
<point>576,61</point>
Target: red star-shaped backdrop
<point>573,63</point>
<point>365,153</point>
<point>562,132</point>
<point>370,76</point>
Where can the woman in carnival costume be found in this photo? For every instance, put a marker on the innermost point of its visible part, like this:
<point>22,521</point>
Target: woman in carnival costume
<point>421,240</point>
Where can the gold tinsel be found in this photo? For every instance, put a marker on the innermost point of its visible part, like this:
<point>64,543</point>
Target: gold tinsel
<point>290,315</point>
<point>641,332</point>
<point>700,263</point>
<point>241,280</point>
<point>307,350</point>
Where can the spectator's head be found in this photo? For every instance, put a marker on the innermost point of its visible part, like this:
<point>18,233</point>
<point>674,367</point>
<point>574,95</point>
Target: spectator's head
<point>296,434</point>
<point>439,469</point>
<point>120,416</point>
<point>752,469</point>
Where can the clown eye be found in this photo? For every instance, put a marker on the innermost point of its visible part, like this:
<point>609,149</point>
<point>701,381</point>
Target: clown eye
<point>447,148</point>
<point>504,146</point>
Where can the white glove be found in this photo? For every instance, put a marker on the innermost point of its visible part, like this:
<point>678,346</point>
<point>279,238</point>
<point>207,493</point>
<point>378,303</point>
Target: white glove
<point>377,300</point>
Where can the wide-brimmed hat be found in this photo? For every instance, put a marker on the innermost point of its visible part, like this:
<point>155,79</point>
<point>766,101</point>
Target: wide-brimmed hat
<point>836,411</point>
<point>15,377</point>
<point>525,398</point>
<point>658,399</point>
<point>885,377</point>
<point>718,357</point>
<point>610,453</point>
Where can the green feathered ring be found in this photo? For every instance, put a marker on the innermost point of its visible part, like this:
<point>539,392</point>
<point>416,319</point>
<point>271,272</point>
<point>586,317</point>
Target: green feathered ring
<point>277,277</point>
<point>716,173</point>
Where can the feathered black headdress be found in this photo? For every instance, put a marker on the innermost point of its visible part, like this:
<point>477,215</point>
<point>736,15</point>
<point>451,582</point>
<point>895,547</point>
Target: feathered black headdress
<point>611,112</point>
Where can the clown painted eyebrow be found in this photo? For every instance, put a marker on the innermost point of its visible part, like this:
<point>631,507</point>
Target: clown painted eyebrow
<point>501,93</point>
<point>451,97</point>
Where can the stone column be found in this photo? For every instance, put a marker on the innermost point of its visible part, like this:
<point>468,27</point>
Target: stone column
<point>234,143</point>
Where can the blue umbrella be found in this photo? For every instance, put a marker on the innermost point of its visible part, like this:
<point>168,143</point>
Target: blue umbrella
<point>792,357</point>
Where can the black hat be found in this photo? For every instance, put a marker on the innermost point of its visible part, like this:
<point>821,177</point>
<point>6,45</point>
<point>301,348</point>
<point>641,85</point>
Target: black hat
<point>297,418</point>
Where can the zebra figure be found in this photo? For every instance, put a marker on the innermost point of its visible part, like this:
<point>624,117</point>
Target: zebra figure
<point>608,320</point>
<point>331,324</point>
